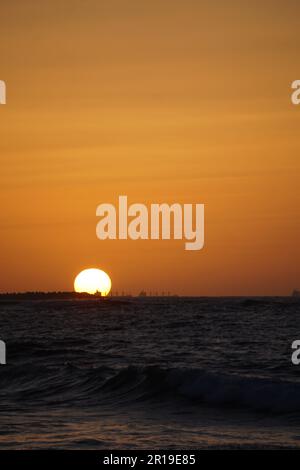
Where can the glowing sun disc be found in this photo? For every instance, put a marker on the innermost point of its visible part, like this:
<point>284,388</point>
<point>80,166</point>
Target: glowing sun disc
<point>92,281</point>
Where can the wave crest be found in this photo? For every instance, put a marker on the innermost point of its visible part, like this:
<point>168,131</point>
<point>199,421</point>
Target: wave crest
<point>91,387</point>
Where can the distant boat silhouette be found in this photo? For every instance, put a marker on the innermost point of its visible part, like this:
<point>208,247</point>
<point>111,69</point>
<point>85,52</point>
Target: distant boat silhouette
<point>296,293</point>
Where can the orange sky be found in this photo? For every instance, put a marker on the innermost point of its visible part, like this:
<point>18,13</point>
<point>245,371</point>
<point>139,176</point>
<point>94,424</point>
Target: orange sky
<point>165,101</point>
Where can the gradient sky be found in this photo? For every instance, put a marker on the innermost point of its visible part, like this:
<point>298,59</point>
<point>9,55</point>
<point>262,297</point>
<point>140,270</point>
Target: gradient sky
<point>165,101</point>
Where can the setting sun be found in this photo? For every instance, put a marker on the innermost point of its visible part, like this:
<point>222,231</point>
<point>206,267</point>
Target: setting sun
<point>92,281</point>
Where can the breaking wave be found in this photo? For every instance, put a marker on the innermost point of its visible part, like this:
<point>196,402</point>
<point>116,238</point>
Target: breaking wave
<point>39,386</point>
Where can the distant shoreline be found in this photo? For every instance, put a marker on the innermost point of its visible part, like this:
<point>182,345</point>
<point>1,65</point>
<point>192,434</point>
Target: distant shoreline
<point>69,295</point>
<point>48,295</point>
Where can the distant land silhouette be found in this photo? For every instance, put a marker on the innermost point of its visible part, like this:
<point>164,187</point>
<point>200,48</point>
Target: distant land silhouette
<point>71,295</point>
<point>49,295</point>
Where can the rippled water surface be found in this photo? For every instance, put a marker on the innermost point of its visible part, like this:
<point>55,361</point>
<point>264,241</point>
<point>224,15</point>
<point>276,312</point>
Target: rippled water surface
<point>150,373</point>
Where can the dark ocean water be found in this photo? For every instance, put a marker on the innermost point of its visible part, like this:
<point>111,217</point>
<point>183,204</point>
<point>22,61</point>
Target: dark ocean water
<point>156,373</point>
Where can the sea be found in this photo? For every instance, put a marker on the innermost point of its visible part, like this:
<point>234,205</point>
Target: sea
<point>150,373</point>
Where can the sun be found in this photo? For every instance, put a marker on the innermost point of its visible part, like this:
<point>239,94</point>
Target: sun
<point>92,281</point>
